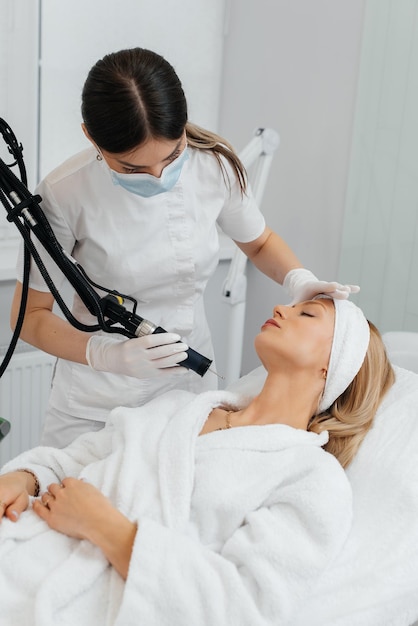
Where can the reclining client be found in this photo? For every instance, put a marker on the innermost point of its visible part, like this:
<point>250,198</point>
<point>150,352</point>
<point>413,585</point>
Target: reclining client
<point>203,509</point>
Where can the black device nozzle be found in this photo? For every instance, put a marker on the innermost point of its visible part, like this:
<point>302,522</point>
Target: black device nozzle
<point>195,361</point>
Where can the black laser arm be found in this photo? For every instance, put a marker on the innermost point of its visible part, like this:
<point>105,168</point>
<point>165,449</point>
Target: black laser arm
<point>24,210</point>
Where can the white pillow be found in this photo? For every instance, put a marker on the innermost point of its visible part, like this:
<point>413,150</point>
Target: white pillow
<point>402,347</point>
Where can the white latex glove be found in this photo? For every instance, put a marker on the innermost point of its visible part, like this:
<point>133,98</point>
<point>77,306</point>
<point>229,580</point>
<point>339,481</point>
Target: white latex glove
<point>302,285</point>
<point>142,357</point>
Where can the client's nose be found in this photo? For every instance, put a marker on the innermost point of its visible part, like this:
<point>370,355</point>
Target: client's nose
<point>280,311</point>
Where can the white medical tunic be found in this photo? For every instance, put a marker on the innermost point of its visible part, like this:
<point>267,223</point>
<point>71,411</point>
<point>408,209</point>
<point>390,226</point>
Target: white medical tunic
<point>160,250</point>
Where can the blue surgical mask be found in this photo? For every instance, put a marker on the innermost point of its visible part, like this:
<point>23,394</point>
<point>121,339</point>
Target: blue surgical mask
<point>146,185</point>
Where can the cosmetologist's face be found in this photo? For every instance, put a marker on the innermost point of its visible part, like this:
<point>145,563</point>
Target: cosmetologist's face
<point>150,157</point>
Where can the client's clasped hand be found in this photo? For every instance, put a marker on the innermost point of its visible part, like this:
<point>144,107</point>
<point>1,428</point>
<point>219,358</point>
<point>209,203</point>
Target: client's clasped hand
<point>77,509</point>
<point>16,487</point>
<point>73,507</point>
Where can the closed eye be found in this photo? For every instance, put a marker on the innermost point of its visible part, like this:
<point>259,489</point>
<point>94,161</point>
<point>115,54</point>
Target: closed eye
<point>128,170</point>
<point>135,170</point>
<point>307,314</point>
<point>174,155</point>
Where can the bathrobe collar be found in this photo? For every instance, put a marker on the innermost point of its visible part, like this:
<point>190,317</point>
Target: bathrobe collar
<point>180,441</point>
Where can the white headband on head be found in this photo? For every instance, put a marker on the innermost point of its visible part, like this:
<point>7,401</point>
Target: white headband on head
<point>349,347</point>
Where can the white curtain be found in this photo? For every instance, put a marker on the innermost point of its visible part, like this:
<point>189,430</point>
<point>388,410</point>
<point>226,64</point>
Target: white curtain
<point>380,235</point>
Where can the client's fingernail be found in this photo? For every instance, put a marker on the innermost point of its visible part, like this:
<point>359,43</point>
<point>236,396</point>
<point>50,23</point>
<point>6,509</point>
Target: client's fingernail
<point>15,515</point>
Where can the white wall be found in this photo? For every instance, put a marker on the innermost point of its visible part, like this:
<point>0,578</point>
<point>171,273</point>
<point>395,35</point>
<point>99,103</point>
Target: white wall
<point>292,66</point>
<point>18,107</point>
<point>19,75</point>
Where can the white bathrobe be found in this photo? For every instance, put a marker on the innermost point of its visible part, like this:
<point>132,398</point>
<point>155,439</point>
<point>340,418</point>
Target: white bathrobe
<point>235,527</point>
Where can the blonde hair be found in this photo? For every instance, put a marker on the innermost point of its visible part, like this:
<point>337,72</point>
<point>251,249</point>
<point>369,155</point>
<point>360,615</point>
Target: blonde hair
<point>203,139</point>
<point>351,416</point>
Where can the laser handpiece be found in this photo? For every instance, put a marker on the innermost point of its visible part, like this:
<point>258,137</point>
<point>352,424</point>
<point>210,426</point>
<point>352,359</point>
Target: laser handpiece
<point>112,306</point>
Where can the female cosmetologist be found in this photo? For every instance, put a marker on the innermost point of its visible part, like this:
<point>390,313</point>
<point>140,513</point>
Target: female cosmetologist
<point>138,210</point>
<point>201,509</point>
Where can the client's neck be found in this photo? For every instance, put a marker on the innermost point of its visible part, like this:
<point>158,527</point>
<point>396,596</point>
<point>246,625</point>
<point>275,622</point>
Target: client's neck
<point>284,399</point>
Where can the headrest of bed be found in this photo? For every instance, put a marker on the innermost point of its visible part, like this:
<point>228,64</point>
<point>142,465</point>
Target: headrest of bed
<point>402,347</point>
<point>374,580</point>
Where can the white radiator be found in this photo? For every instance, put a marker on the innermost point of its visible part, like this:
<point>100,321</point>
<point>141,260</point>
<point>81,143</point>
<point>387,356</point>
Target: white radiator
<point>24,391</point>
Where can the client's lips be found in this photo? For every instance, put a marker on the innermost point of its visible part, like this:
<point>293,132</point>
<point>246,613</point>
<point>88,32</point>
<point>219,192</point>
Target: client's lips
<point>271,322</point>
